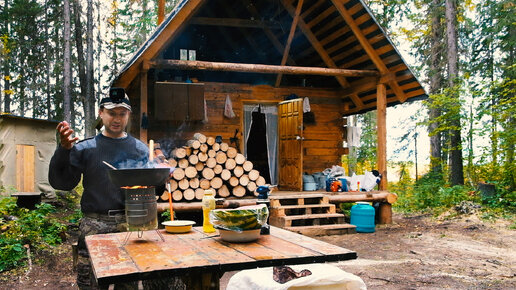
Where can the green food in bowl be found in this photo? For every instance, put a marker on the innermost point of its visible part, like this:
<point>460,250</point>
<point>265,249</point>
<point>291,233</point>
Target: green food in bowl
<point>240,219</point>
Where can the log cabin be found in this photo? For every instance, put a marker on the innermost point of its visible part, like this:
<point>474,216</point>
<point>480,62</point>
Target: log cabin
<point>268,59</point>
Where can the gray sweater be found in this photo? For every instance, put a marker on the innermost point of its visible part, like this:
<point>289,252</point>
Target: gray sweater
<point>100,195</point>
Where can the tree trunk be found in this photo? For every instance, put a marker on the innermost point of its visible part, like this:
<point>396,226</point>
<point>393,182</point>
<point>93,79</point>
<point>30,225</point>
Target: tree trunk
<point>456,166</point>
<point>435,84</point>
<point>7,81</point>
<point>80,52</point>
<point>48,69</point>
<point>66,64</point>
<point>89,110</point>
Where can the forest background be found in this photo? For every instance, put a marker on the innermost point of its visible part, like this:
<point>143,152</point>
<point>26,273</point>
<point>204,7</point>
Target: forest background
<point>59,57</point>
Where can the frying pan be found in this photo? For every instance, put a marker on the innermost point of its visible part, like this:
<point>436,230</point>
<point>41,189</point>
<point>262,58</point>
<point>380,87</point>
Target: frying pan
<point>139,176</point>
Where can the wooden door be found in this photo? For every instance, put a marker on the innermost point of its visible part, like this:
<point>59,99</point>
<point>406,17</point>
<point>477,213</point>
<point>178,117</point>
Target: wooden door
<point>290,130</point>
<point>25,155</point>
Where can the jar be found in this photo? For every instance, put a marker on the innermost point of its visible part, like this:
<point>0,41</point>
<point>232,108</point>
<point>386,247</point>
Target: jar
<point>208,204</point>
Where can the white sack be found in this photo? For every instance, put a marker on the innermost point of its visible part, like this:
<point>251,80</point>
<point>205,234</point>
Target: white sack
<point>324,276</point>
<point>367,181</point>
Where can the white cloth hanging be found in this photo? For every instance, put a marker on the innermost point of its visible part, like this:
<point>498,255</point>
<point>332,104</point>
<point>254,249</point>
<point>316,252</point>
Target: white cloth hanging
<point>228,108</point>
<point>306,105</point>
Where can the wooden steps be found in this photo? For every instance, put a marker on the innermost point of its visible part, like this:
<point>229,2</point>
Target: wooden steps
<point>303,209</point>
<point>337,229</point>
<point>308,214</point>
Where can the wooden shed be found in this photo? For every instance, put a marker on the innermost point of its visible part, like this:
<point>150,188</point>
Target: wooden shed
<point>267,57</point>
<point>26,146</point>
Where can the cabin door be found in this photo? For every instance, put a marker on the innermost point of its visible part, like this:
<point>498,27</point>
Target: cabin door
<point>25,166</point>
<point>290,130</point>
<point>261,139</point>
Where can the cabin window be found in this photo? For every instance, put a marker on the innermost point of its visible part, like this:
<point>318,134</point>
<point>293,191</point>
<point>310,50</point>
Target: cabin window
<point>179,101</point>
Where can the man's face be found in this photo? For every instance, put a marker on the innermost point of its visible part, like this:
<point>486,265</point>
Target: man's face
<point>115,121</point>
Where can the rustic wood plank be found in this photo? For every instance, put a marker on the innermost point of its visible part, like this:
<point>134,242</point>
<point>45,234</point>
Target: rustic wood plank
<point>259,68</point>
<point>375,58</point>
<point>169,32</point>
<point>309,243</point>
<point>268,32</point>
<point>143,105</point>
<point>381,127</point>
<point>25,166</point>
<point>289,39</point>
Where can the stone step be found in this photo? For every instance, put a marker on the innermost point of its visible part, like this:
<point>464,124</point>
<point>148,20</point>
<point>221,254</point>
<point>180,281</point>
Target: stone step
<point>287,210</point>
<point>324,230</point>
<point>307,220</point>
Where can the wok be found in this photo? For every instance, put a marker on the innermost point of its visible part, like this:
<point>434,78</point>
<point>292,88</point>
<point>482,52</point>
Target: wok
<point>139,176</point>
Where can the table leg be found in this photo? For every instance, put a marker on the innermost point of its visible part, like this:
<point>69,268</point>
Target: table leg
<point>203,280</point>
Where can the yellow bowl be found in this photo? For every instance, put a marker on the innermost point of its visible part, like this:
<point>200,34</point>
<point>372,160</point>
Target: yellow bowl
<point>178,226</point>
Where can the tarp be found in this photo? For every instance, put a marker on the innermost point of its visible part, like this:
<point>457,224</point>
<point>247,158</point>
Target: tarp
<point>41,134</point>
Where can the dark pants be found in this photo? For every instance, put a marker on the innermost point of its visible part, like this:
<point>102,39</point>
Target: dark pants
<point>103,225</point>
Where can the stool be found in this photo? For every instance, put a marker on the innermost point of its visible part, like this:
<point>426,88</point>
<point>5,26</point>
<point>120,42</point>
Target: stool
<point>27,199</point>
<point>324,276</point>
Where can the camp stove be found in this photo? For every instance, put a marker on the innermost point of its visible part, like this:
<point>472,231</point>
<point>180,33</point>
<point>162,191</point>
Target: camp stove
<point>140,210</point>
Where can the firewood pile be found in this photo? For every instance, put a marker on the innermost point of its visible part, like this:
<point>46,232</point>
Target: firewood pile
<point>203,164</point>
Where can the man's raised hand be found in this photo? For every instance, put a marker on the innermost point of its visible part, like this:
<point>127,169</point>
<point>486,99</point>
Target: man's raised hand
<point>65,133</point>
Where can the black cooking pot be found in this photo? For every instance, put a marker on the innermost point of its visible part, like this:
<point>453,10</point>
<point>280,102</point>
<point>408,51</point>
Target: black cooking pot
<point>139,176</point>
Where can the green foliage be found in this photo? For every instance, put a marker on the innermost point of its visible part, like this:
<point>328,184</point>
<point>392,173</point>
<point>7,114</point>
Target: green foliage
<point>429,194</point>
<point>345,207</point>
<point>165,215</point>
<point>20,227</point>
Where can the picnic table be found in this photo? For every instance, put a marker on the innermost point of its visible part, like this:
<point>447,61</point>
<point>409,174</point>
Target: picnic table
<point>199,258</point>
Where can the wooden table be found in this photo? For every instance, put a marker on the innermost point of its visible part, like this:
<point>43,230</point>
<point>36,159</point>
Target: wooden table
<point>201,257</point>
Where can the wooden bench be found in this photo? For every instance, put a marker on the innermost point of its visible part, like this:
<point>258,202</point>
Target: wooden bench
<point>385,198</point>
<point>27,199</point>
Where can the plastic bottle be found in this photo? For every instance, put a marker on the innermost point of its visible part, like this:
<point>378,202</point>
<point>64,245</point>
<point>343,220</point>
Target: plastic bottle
<point>208,203</point>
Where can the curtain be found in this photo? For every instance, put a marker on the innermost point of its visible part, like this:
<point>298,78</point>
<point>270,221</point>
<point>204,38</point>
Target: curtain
<point>271,121</point>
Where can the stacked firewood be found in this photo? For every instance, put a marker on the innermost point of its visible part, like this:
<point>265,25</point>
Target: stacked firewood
<point>203,164</point>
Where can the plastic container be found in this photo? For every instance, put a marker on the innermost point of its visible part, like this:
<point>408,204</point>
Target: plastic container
<point>309,186</point>
<point>329,181</point>
<point>208,204</point>
<point>362,216</point>
<point>344,184</point>
<point>308,178</point>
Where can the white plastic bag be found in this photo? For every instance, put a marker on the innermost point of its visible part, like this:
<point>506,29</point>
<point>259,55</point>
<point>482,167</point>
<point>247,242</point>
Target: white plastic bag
<point>367,181</point>
<point>324,276</point>
<point>228,108</point>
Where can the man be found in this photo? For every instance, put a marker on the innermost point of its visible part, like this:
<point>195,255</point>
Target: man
<point>100,195</point>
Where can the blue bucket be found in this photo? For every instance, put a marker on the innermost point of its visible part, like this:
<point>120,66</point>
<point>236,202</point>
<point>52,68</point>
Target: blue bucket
<point>362,216</point>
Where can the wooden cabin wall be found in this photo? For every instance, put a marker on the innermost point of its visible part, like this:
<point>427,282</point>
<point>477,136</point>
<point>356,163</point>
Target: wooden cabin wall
<point>323,139</point>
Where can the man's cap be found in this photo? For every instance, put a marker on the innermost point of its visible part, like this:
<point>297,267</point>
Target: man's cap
<point>117,98</point>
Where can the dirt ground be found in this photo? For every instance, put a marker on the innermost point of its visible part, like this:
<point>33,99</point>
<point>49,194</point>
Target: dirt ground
<point>415,252</point>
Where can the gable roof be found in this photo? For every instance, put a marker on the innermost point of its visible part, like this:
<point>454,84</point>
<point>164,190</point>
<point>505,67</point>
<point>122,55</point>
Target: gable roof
<point>330,33</point>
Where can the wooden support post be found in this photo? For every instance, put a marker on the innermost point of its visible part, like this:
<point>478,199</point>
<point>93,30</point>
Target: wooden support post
<point>143,104</point>
<point>289,39</point>
<point>258,68</point>
<point>381,119</point>
<point>161,11</point>
<point>385,213</point>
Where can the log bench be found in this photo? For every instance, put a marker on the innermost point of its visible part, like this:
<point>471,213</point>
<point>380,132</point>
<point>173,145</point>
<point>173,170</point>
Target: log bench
<point>385,198</point>
<point>27,199</point>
